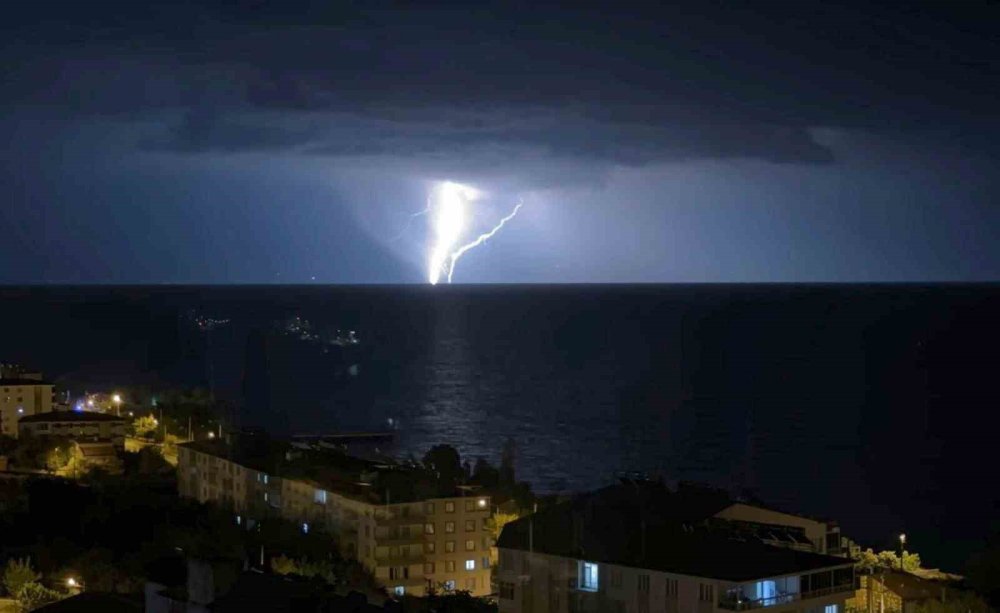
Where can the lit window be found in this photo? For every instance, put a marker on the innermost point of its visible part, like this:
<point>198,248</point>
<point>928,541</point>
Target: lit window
<point>830,608</point>
<point>470,565</point>
<point>449,546</point>
<point>399,590</point>
<point>428,528</point>
<point>239,520</point>
<point>588,576</point>
<point>305,528</point>
<point>449,507</point>
<point>470,545</point>
<point>449,586</point>
<point>449,566</point>
<point>265,479</point>
<point>449,526</point>
<point>265,496</point>
<point>319,496</point>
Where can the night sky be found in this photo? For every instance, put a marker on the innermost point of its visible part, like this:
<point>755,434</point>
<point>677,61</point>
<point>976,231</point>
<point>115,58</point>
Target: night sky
<point>284,142</point>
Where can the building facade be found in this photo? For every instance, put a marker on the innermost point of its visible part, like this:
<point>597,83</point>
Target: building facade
<point>823,536</point>
<point>21,397</point>
<point>440,543</point>
<point>84,427</point>
<point>640,547</point>
<point>531,582</point>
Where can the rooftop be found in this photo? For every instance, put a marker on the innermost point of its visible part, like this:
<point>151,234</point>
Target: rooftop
<point>23,381</point>
<point>360,479</point>
<point>646,525</point>
<point>70,416</point>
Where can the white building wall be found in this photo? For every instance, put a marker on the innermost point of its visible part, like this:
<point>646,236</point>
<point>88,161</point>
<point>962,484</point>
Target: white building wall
<point>541,583</point>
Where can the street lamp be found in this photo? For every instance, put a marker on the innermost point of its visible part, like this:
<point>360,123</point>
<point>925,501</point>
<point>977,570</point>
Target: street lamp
<point>71,583</point>
<point>117,399</point>
<point>211,434</point>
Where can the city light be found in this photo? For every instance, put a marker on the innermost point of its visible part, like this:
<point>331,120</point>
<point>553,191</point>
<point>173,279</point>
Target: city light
<point>71,582</point>
<point>211,434</point>
<point>116,398</point>
<point>90,402</point>
<point>482,503</point>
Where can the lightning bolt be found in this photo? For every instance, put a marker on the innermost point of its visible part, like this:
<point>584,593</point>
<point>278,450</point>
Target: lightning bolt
<point>482,238</point>
<point>409,220</point>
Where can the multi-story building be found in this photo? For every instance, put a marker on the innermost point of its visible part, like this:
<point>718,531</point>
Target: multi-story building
<point>642,549</point>
<point>411,533</point>
<point>81,426</point>
<point>21,394</point>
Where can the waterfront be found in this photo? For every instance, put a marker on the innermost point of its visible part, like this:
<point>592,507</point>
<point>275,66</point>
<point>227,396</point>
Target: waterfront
<point>869,404</point>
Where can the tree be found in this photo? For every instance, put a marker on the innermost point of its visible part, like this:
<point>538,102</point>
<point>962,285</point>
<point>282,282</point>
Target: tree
<point>446,462</point>
<point>485,474</point>
<point>507,458</point>
<point>17,573</point>
<point>868,560</point>
<point>34,595</point>
<point>498,521</point>
<point>955,602</point>
<point>144,425</point>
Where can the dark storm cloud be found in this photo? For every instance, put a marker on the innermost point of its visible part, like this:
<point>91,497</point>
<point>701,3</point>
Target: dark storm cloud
<point>629,88</point>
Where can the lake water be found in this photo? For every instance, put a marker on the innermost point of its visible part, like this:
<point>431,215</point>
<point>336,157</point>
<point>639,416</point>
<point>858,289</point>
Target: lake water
<point>873,405</point>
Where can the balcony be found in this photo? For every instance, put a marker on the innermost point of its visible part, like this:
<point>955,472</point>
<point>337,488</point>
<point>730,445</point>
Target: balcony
<point>776,592</point>
<point>732,604</point>
<point>400,560</point>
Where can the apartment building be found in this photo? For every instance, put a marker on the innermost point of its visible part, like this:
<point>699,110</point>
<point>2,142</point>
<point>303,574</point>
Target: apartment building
<point>407,531</point>
<point>21,394</point>
<point>637,549</point>
<point>81,426</point>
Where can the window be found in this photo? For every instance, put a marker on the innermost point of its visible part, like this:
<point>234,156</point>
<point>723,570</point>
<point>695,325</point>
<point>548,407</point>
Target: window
<point>305,528</point>
<point>470,525</point>
<point>428,528</point>
<point>671,588</point>
<point>399,590</point>
<point>506,590</point>
<point>319,496</point>
<point>449,546</point>
<point>470,505</point>
<point>706,592</point>
<point>470,545</point>
<point>830,608</point>
<point>429,568</point>
<point>449,586</point>
<point>429,508</point>
<point>765,591</point>
<point>399,572</point>
<point>486,561</point>
<point>265,479</point>
<point>470,565</point>
<point>449,507</point>
<point>449,526</point>
<point>239,520</point>
<point>642,584</point>
<point>429,547</point>
<point>368,530</point>
<point>588,576</point>
<point>486,524</point>
<point>449,566</point>
<point>616,577</point>
<point>470,584</point>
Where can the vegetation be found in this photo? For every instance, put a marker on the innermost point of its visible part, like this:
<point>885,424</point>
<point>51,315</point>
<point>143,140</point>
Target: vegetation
<point>144,425</point>
<point>17,574</point>
<point>22,584</point>
<point>869,561</point>
<point>960,602</point>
